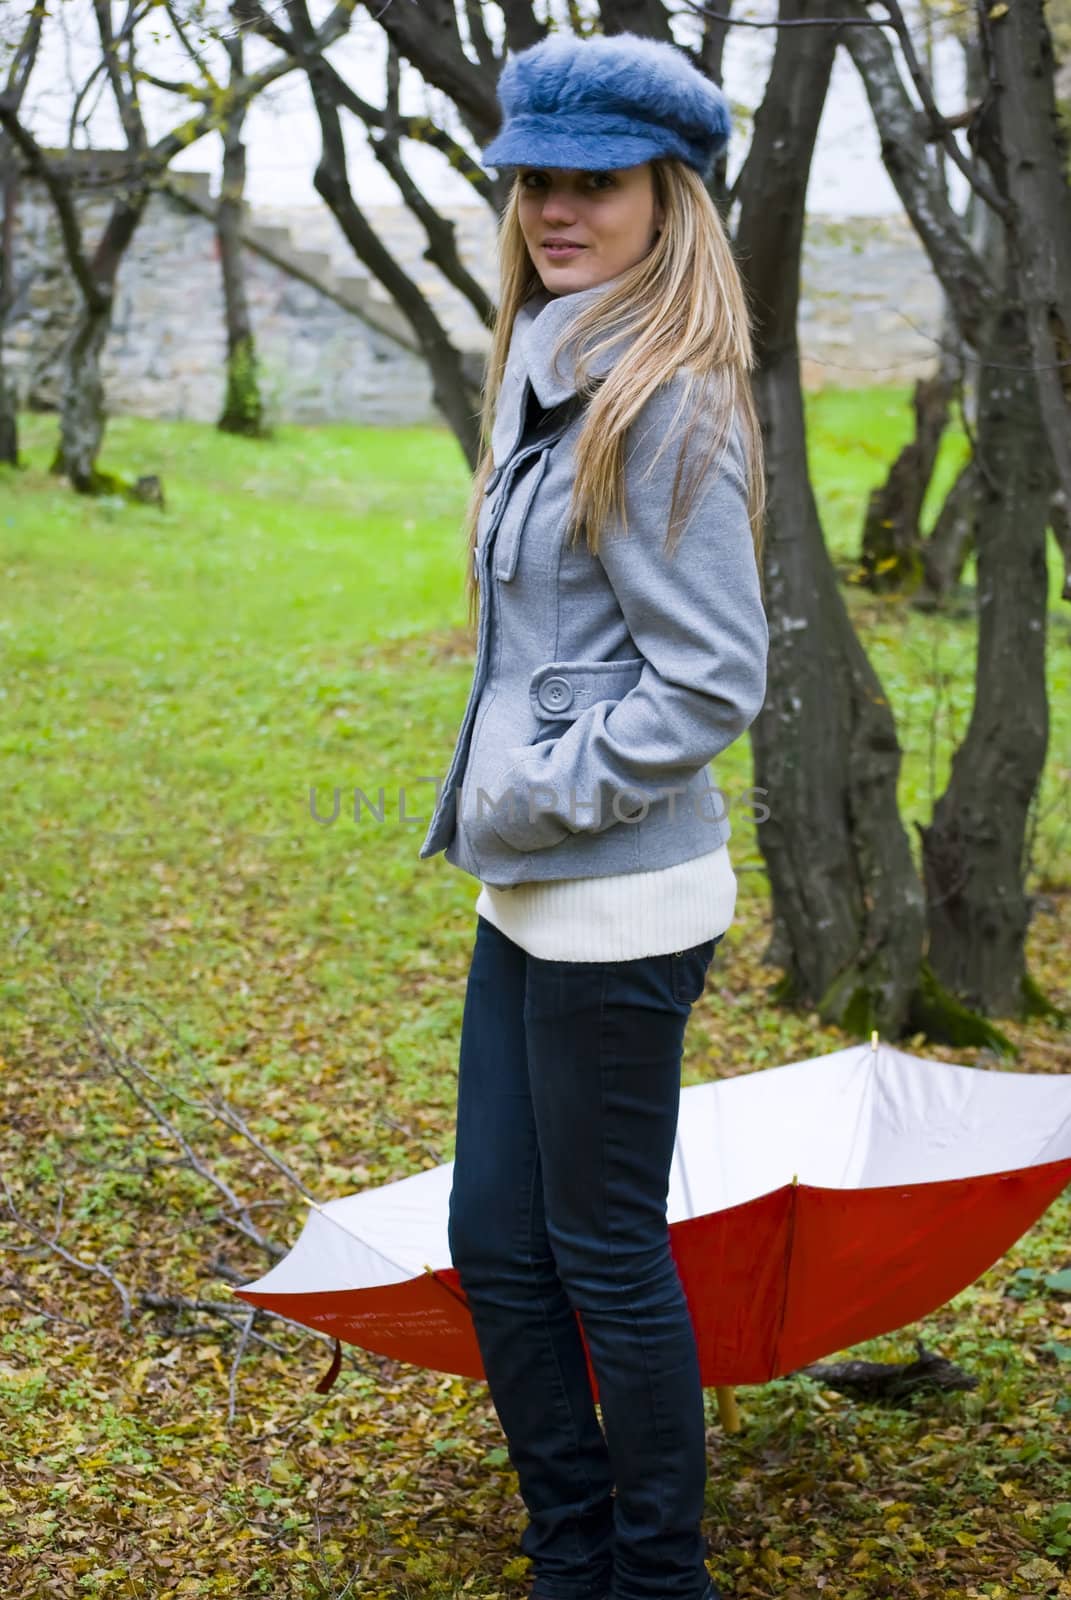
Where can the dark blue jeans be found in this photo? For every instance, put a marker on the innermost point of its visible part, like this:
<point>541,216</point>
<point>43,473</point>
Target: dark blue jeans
<point>568,1091</point>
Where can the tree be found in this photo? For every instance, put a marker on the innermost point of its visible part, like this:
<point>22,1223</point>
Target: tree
<point>974,850</point>
<point>429,38</point>
<point>847,904</point>
<point>1019,133</point>
<point>95,269</point>
<point>243,408</point>
<point>23,59</point>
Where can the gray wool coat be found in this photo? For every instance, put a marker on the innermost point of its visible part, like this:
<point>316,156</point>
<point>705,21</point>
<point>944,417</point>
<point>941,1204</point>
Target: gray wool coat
<point>603,686</point>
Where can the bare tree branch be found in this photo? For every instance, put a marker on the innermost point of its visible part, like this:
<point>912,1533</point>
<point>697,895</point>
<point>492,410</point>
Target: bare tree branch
<point>966,280</point>
<point>442,247</point>
<point>25,56</point>
<point>941,129</point>
<point>428,36</point>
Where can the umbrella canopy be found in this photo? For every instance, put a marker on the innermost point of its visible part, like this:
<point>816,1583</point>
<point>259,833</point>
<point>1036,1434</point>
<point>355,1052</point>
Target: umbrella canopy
<point>811,1206</point>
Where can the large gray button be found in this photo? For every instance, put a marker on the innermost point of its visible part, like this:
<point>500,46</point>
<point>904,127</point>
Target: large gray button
<point>556,694</point>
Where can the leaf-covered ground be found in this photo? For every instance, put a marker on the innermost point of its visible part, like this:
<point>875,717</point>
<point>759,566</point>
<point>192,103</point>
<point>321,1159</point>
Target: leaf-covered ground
<point>173,685</point>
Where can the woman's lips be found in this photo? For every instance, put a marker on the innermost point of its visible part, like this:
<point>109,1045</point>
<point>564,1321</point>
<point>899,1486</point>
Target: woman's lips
<point>556,251</point>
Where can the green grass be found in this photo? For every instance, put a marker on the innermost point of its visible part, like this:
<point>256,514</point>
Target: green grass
<point>177,683</point>
<point>173,684</point>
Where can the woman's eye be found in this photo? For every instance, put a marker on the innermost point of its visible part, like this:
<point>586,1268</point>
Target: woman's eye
<point>536,179</point>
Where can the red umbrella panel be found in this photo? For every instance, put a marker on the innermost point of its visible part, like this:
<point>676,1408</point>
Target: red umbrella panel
<point>811,1206</point>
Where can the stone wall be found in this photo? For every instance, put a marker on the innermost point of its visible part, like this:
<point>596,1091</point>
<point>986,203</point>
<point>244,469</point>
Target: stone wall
<point>326,352</point>
<point>333,347</point>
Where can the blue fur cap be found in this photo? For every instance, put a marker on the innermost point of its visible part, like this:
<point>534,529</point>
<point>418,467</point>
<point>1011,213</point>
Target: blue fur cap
<point>603,102</point>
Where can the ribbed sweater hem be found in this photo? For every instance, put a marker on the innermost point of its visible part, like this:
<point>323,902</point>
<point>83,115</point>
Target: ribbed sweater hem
<point>618,917</point>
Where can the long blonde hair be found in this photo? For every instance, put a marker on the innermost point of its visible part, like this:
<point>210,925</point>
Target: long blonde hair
<point>682,304</point>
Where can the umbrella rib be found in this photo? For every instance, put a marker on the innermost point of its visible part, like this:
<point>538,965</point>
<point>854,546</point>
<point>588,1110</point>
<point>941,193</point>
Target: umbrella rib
<point>452,1292</point>
<point>789,1240</point>
<point>1050,1144</point>
<point>316,1206</point>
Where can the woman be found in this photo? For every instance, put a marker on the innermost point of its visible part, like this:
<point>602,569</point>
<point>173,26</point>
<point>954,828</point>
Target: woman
<point>610,669</point>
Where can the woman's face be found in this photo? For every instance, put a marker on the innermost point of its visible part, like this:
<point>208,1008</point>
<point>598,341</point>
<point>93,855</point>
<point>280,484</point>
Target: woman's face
<point>611,217</point>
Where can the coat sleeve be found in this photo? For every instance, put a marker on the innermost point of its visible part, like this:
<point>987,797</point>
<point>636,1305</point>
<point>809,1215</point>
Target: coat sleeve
<point>696,617</point>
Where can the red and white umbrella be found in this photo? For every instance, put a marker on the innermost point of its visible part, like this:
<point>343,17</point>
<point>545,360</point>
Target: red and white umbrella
<point>811,1206</point>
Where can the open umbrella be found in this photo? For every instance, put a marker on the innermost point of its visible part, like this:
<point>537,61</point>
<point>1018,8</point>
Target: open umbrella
<point>811,1206</point>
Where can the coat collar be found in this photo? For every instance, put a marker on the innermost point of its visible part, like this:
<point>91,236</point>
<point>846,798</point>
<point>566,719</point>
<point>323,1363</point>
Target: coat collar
<point>537,327</point>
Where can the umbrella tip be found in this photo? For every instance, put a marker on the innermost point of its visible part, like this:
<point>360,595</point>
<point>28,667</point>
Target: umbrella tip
<point>874,1039</point>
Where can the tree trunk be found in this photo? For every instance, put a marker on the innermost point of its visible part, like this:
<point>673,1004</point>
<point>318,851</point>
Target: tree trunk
<point>978,909</point>
<point>946,550</point>
<point>9,429</point>
<point>844,887</point>
<point>1033,191</point>
<point>974,850</point>
<point>1060,522</point>
<point>1020,137</point>
<point>19,67</point>
<point>243,408</point>
<point>847,903</point>
<point>82,410</point>
<point>945,553</point>
<point>890,558</point>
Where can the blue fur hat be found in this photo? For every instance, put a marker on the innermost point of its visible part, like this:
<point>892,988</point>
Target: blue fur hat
<point>604,102</point>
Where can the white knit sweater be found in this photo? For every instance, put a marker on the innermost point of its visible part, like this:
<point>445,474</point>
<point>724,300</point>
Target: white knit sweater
<point>618,917</point>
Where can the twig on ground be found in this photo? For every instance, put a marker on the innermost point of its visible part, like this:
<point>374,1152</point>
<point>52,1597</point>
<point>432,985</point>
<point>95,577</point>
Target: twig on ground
<point>119,1063</point>
<point>233,1315</point>
<point>54,1245</point>
<point>13,1287</point>
<point>215,1106</point>
<point>392,1122</point>
<point>232,1386</point>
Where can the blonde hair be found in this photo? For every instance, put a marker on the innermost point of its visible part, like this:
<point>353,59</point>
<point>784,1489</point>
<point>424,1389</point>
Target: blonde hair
<point>683,304</point>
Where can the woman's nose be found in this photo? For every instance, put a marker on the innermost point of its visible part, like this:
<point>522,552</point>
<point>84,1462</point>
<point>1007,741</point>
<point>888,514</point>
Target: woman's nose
<point>557,208</point>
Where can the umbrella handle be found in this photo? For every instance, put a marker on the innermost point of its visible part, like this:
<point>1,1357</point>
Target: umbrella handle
<point>728,1410</point>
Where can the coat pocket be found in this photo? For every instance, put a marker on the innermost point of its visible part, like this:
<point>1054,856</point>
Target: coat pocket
<point>559,691</point>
